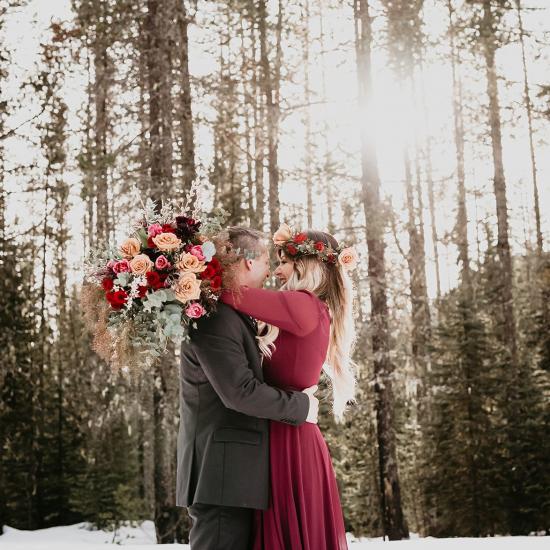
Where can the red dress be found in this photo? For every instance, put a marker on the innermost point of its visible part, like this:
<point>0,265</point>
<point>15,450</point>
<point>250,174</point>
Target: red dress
<point>305,511</point>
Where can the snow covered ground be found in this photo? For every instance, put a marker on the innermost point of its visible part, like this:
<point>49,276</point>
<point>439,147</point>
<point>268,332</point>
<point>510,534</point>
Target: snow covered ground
<point>78,537</point>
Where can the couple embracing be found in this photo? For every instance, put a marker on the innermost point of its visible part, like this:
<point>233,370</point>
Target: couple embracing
<point>253,468</point>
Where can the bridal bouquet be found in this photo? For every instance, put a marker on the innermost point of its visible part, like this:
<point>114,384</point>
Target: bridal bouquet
<point>148,290</point>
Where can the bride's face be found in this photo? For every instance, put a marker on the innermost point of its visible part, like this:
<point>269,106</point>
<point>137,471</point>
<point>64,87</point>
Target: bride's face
<point>284,269</point>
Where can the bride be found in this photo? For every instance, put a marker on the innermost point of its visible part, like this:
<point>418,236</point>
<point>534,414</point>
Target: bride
<point>306,324</point>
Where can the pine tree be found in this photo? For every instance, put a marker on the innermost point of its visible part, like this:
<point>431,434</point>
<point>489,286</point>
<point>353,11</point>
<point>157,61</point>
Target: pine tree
<point>394,524</point>
<point>18,318</point>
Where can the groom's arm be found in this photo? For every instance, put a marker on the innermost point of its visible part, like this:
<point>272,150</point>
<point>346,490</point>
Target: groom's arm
<point>219,349</point>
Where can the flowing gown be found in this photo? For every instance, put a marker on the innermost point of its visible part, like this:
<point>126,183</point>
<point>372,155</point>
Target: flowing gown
<point>305,511</point>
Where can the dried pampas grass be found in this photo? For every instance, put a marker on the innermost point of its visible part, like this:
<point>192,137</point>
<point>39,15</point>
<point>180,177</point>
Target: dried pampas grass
<point>114,350</point>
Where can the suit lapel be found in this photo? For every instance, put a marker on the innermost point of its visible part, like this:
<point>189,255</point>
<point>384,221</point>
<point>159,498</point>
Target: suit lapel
<point>249,322</point>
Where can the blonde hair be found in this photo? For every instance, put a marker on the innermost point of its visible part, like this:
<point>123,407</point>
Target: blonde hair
<point>332,285</point>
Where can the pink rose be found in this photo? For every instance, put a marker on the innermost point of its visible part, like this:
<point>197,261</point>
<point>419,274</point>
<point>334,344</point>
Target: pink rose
<point>197,251</point>
<point>154,230</point>
<point>111,264</point>
<point>162,263</point>
<point>194,311</point>
<point>121,266</point>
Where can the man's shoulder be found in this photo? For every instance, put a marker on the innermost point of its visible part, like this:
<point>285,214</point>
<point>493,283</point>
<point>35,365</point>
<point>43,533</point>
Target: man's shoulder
<point>224,320</point>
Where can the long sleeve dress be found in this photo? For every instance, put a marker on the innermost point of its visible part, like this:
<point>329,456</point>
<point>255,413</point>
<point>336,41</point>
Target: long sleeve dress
<point>305,511</point>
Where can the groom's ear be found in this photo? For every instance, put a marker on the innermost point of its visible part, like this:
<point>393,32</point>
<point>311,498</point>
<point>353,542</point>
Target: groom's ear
<point>248,263</point>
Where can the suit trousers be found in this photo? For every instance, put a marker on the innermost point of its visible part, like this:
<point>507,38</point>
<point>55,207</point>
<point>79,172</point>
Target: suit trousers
<point>220,527</point>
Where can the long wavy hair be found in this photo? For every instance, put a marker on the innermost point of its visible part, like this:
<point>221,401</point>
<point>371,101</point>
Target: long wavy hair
<point>332,285</point>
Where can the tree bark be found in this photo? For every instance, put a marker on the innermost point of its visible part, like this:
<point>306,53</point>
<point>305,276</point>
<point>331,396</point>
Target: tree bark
<point>269,85</point>
<point>395,526</point>
<point>307,120</point>
<point>529,111</point>
<point>259,120</point>
<point>101,87</point>
<point>499,182</point>
<point>327,189</point>
<point>461,228</point>
<point>158,25</point>
<point>186,113</point>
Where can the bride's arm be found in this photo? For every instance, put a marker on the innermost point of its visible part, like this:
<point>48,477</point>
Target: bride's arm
<point>295,311</point>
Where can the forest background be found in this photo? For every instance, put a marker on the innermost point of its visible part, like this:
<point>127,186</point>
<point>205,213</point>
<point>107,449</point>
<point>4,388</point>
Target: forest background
<point>416,130</point>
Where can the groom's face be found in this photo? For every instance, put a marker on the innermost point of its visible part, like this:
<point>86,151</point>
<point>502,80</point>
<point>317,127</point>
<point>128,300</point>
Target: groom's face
<point>258,270</point>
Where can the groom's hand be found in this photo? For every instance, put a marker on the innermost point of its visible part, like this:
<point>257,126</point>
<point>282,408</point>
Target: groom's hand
<point>313,405</point>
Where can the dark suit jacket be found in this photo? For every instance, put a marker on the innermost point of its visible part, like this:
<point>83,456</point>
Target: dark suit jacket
<point>223,443</point>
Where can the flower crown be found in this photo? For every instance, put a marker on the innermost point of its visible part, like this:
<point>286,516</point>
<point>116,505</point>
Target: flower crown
<point>297,244</point>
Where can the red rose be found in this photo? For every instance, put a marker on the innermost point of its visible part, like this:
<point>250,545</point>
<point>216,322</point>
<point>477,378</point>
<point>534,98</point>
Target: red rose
<point>150,243</point>
<point>292,250</point>
<point>319,246</point>
<point>216,283</point>
<point>331,258</point>
<point>167,228</point>
<point>142,291</point>
<point>163,277</point>
<point>154,280</point>
<point>300,238</point>
<point>107,284</point>
<point>208,273</point>
<point>215,263</point>
<point>117,298</point>
<point>213,268</point>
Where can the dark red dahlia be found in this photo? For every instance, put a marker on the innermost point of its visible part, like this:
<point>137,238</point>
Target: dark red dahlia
<point>186,227</point>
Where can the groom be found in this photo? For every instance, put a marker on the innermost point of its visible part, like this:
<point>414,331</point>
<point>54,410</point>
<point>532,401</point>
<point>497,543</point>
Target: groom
<point>223,445</point>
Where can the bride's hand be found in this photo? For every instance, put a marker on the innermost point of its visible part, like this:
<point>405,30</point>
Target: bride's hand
<point>313,405</point>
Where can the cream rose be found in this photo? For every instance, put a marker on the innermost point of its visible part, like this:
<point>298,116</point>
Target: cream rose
<point>189,262</point>
<point>141,264</point>
<point>167,242</point>
<point>187,287</point>
<point>130,248</point>
<point>283,234</point>
<point>348,258</point>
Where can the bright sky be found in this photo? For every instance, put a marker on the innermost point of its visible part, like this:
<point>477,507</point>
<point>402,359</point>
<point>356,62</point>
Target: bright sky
<point>394,125</point>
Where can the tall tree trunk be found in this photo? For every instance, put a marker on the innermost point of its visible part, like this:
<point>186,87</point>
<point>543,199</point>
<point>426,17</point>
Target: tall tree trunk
<point>503,243</point>
<point>416,260</point>
<point>325,174</point>
<point>307,119</point>
<point>101,87</point>
<point>159,68</point>
<point>427,158</point>
<point>259,136</point>
<point>395,526</point>
<point>461,227</point>
<point>269,83</point>
<point>529,110</point>
<point>186,113</point>
<point>248,95</point>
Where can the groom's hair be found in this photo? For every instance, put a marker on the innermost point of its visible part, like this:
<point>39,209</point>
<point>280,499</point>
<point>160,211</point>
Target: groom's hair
<point>247,239</point>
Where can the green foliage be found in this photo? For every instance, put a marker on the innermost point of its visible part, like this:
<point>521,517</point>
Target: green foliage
<point>487,449</point>
<point>107,492</point>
